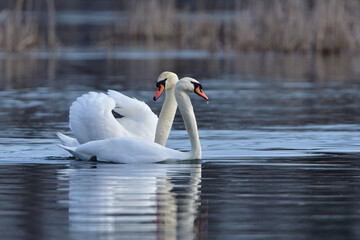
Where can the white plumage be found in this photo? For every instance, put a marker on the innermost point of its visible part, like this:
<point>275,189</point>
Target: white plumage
<point>91,117</point>
<point>136,150</point>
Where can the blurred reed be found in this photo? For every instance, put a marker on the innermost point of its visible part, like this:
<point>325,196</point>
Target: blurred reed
<point>323,26</point>
<point>308,26</point>
<point>20,26</point>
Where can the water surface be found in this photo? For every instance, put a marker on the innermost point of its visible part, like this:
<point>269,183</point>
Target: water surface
<point>280,139</point>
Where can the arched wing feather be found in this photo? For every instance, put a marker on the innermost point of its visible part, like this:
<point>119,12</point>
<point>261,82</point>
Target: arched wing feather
<point>91,117</point>
<point>138,118</point>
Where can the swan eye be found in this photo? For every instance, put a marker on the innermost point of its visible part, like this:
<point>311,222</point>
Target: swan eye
<point>162,82</point>
<point>197,85</point>
<point>198,90</point>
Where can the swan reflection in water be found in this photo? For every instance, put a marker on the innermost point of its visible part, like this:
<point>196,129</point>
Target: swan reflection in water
<point>160,201</point>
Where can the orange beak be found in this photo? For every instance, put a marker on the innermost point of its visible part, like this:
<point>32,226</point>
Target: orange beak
<point>159,91</point>
<point>200,92</point>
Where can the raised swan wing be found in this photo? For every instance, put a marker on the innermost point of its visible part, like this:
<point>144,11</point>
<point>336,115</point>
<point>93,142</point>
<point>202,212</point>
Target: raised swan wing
<point>91,117</point>
<point>138,118</point>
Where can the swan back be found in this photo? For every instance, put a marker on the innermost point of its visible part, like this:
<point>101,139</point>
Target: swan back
<point>126,150</point>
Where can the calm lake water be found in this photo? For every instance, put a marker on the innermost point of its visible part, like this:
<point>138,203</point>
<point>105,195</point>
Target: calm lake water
<point>280,137</point>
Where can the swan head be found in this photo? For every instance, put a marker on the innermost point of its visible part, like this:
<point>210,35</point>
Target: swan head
<point>189,85</point>
<point>166,80</point>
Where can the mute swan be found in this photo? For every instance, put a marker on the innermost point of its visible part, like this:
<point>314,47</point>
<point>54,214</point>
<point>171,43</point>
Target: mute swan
<point>136,150</point>
<point>92,116</point>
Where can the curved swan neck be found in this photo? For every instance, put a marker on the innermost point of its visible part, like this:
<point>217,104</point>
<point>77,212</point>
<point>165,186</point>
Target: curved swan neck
<point>166,117</point>
<point>187,113</point>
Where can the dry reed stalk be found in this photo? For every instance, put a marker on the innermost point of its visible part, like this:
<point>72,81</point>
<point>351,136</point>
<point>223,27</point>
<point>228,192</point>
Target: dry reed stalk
<point>152,19</point>
<point>20,35</point>
<point>197,33</point>
<point>51,25</point>
<point>290,26</point>
<point>19,32</point>
<point>329,26</point>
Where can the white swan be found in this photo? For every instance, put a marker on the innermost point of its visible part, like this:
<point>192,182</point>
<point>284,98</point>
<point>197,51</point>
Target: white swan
<point>136,150</point>
<point>92,116</point>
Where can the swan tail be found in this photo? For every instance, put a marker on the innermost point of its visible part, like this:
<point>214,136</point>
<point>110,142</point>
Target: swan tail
<point>72,151</point>
<point>67,141</point>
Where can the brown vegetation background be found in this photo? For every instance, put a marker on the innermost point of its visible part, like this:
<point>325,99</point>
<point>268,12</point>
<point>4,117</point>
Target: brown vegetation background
<point>306,26</point>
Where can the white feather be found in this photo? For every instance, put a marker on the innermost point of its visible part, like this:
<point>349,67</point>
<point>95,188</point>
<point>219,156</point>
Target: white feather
<point>67,141</point>
<point>124,150</point>
<point>138,118</point>
<point>136,150</point>
<point>91,117</point>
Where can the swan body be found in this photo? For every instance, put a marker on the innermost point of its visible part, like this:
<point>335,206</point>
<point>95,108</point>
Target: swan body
<point>125,150</point>
<point>135,150</point>
<point>91,116</point>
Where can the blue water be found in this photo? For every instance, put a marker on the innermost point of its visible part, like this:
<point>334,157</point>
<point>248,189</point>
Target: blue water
<point>281,150</point>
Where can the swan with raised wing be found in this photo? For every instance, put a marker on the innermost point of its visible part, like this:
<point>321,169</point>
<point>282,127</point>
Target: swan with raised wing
<point>136,150</point>
<point>97,116</point>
